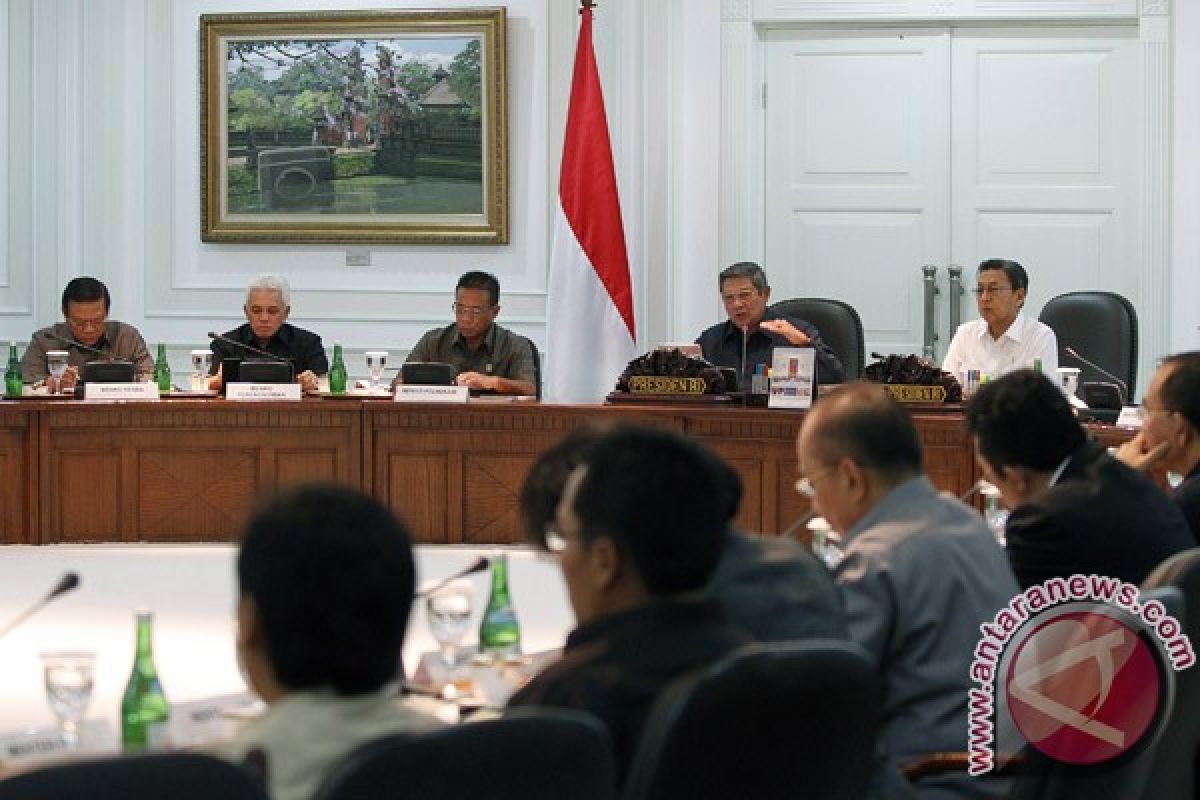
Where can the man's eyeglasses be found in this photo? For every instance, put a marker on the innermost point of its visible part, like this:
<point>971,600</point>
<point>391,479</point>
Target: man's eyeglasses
<point>553,541</point>
<point>979,291</point>
<point>469,311</point>
<point>84,324</point>
<point>743,297</point>
<point>805,485</point>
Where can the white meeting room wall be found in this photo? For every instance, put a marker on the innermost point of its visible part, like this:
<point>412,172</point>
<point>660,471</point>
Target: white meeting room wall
<point>99,143</point>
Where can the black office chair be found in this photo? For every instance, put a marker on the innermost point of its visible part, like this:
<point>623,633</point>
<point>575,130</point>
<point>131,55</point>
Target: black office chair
<point>1176,772</point>
<point>781,720</point>
<point>537,368</point>
<point>1103,328</point>
<point>168,776</point>
<point>840,327</point>
<point>529,754</point>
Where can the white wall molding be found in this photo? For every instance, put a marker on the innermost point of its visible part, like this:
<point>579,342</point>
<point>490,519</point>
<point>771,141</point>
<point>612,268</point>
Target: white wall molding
<point>772,12</point>
<point>1155,195</point>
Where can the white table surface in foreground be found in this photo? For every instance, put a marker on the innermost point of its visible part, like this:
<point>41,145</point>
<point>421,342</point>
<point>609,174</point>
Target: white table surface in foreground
<point>191,589</point>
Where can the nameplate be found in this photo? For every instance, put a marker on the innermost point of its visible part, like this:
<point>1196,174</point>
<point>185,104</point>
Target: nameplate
<point>257,392</point>
<point>916,392</point>
<point>431,394</point>
<point>142,390</point>
<point>1130,417</point>
<point>33,745</point>
<point>202,722</point>
<point>793,377</point>
<point>666,384</point>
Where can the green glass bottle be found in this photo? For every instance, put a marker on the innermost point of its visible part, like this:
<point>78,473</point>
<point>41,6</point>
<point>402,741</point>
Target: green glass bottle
<point>499,631</point>
<point>337,372</point>
<point>162,369</point>
<point>144,709</point>
<point>12,375</point>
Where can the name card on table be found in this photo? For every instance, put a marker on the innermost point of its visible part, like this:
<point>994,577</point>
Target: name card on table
<point>34,745</point>
<point>141,390</point>
<point>210,720</point>
<point>257,392</point>
<point>793,377</point>
<point>431,394</point>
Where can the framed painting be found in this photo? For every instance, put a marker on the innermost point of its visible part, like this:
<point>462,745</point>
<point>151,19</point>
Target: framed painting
<point>355,126</point>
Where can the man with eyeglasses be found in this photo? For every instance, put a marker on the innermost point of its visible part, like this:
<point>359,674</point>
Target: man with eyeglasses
<point>488,357</point>
<point>86,329</point>
<point>1170,434</point>
<point>1003,338</point>
<point>267,307</point>
<point>753,331</point>
<point>1075,509</point>
<point>642,523</point>
<point>921,572</point>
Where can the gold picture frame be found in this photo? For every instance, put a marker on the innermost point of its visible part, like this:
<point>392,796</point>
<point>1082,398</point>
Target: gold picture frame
<point>354,126</point>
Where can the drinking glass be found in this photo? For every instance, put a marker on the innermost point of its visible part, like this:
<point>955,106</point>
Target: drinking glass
<point>994,513</point>
<point>201,364</point>
<point>448,610</point>
<point>56,362</point>
<point>69,678</point>
<point>376,361</point>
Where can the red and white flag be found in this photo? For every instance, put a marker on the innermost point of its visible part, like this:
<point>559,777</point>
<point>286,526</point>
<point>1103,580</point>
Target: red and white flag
<point>589,320</point>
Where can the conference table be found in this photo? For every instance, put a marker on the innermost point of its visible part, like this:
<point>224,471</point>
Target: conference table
<point>189,470</point>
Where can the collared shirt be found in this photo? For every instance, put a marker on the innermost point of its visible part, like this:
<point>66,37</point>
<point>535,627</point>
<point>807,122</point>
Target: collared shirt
<point>303,348</point>
<point>920,574</point>
<point>501,353</point>
<point>306,733</point>
<point>615,666</point>
<point>120,341</point>
<point>723,347</point>
<point>1025,340</point>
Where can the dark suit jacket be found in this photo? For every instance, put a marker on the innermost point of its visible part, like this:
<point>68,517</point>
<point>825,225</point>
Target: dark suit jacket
<point>722,346</point>
<point>1101,517</point>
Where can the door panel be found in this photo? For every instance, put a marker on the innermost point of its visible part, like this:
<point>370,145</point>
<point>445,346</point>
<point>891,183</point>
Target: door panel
<point>892,149</point>
<point>1045,133</point>
<point>857,136</point>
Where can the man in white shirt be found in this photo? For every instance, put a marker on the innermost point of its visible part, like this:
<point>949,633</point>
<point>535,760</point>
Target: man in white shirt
<point>1003,339</point>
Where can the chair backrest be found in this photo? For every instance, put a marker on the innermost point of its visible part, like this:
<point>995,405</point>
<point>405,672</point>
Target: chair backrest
<point>840,327</point>
<point>1100,326</point>
<point>537,367</point>
<point>529,754</point>
<point>167,776</point>
<point>1176,772</point>
<point>779,720</point>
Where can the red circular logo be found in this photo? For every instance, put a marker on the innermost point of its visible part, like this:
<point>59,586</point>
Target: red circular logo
<point>1084,687</point>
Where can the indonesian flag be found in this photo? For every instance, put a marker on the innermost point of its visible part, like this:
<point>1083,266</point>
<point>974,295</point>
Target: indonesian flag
<point>589,320</point>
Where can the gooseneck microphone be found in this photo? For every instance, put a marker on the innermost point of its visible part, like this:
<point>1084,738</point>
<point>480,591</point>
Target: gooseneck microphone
<point>69,581</point>
<point>80,345</point>
<point>1124,386</point>
<point>479,565</point>
<point>250,348</point>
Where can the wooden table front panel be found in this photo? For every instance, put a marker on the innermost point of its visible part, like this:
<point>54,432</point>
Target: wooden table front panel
<point>18,468</point>
<point>183,471</point>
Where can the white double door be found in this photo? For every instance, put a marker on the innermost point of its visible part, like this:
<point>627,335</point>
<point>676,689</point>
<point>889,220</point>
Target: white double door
<point>888,150</point>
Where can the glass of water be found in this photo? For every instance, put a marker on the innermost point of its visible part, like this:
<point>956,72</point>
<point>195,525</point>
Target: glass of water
<point>376,361</point>
<point>56,363</point>
<point>201,364</point>
<point>448,610</point>
<point>69,677</point>
<point>994,512</point>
